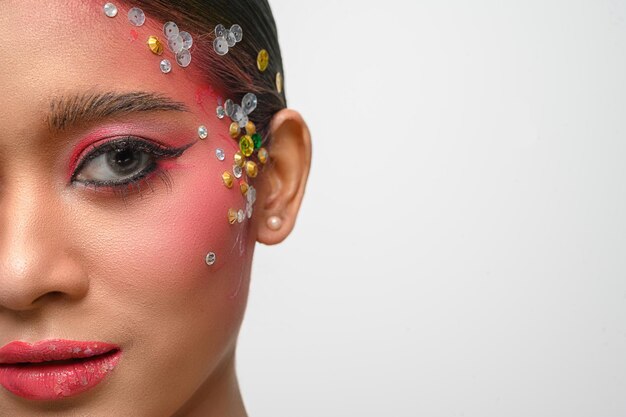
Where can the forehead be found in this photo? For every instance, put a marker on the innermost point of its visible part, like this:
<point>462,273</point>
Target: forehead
<point>59,46</point>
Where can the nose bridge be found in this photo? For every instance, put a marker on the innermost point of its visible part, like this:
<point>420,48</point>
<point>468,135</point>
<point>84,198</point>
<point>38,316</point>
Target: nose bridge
<point>32,243</point>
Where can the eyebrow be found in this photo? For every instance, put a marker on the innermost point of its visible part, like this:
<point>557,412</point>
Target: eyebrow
<point>66,111</point>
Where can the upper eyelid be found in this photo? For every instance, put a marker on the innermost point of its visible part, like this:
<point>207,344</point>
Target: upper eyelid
<point>138,143</point>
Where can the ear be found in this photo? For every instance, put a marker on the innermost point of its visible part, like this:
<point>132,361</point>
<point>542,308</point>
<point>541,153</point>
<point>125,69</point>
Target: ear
<point>282,183</point>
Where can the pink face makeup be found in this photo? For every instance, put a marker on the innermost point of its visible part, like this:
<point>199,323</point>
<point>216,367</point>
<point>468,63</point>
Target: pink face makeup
<point>84,265</point>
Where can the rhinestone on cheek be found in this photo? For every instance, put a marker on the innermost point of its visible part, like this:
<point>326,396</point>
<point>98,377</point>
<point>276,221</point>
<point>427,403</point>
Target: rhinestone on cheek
<point>241,216</point>
<point>238,113</point>
<point>203,132</point>
<point>243,122</point>
<point>244,187</point>
<point>237,171</point>
<point>258,140</point>
<point>229,107</point>
<point>166,66</point>
<point>220,154</point>
<point>234,130</point>
<point>263,155</point>
<point>263,60</point>
<point>228,179</point>
<point>183,58</point>
<point>246,145</point>
<point>155,45</point>
<point>211,258</point>
<point>232,216</point>
<point>110,10</point>
<point>252,169</point>
<point>136,16</point>
<point>251,197</point>
<point>239,159</point>
<point>250,128</point>
<point>221,113</point>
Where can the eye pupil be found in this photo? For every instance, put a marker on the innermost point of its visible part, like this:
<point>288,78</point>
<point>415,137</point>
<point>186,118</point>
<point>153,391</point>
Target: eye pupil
<point>124,161</point>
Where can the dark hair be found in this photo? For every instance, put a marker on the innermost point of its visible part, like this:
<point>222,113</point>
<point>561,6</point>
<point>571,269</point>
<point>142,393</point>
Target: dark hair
<point>234,74</point>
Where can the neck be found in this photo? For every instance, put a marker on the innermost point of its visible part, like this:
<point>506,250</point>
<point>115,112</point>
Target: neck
<point>219,396</point>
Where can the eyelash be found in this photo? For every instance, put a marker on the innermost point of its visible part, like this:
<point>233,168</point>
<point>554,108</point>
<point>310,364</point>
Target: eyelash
<point>134,184</point>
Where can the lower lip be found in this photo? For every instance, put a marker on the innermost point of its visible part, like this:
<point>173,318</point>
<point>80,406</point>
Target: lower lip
<point>56,381</point>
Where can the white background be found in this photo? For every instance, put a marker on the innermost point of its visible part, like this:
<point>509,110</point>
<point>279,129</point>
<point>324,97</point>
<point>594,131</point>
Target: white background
<point>461,250</point>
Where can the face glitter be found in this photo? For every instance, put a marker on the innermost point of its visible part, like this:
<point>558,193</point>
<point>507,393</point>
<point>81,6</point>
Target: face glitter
<point>234,130</point>
<point>175,43</point>
<point>228,179</point>
<point>183,58</point>
<point>211,258</point>
<point>252,169</point>
<point>220,154</point>
<point>110,10</point>
<point>237,171</point>
<point>203,132</point>
<point>170,29</point>
<point>232,216</point>
<point>263,155</point>
<point>239,159</point>
<point>166,66</point>
<point>243,186</point>
<point>155,45</point>
<point>136,16</point>
<point>246,145</point>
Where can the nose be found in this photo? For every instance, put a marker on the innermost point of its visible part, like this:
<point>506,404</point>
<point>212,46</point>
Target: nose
<point>36,262</point>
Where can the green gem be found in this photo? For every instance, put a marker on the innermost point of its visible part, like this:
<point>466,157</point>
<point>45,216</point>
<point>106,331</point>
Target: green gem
<point>257,140</point>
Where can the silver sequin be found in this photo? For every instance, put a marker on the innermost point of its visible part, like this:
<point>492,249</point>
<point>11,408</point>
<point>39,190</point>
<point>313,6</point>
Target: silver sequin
<point>136,16</point>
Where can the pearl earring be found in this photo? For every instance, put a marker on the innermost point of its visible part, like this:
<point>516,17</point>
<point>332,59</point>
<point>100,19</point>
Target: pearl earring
<point>274,223</point>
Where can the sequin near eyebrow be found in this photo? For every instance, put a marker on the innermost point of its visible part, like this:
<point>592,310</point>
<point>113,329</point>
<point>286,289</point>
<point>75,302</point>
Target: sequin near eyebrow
<point>66,111</point>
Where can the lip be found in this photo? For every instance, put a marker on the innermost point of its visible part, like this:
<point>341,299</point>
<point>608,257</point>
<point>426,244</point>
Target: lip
<point>55,369</point>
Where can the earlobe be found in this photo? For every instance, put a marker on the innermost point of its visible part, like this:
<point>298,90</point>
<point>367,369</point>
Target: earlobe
<point>281,187</point>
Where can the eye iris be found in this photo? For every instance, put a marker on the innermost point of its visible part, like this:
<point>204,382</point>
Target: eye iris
<point>124,161</point>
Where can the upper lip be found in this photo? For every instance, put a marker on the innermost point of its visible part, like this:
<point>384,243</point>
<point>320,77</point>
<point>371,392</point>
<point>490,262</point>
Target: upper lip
<point>52,350</point>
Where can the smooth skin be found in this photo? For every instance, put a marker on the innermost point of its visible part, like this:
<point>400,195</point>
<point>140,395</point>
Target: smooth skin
<point>81,264</point>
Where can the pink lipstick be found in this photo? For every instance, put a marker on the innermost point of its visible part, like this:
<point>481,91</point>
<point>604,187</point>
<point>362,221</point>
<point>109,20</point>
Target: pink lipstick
<point>55,369</point>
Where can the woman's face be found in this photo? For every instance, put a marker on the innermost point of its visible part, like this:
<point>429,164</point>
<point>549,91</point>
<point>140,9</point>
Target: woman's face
<point>89,264</point>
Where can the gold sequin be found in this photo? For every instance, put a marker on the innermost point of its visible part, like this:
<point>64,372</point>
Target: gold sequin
<point>234,130</point>
<point>228,179</point>
<point>244,187</point>
<point>246,144</point>
<point>279,82</point>
<point>263,155</point>
<point>263,60</point>
<point>155,45</point>
<point>232,216</point>
<point>252,169</point>
<point>240,160</point>
<point>250,128</point>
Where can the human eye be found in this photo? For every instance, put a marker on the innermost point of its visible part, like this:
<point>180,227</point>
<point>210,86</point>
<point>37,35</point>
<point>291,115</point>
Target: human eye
<point>125,165</point>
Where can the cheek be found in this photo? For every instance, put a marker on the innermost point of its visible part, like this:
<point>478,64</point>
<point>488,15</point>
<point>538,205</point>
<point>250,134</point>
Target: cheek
<point>156,246</point>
